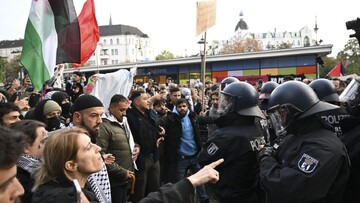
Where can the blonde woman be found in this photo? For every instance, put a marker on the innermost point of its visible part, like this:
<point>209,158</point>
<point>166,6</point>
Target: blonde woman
<point>68,155</point>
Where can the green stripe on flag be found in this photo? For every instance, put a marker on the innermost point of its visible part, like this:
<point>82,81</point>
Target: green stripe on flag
<point>32,57</point>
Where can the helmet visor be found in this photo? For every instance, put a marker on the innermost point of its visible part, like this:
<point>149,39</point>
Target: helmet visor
<point>222,86</point>
<point>282,116</point>
<point>350,95</point>
<point>226,103</point>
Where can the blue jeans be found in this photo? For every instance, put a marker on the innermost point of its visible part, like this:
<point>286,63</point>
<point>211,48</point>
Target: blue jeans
<point>185,164</point>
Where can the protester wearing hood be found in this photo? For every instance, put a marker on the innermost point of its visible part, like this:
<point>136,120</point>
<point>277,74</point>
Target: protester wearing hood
<point>48,111</point>
<point>63,99</point>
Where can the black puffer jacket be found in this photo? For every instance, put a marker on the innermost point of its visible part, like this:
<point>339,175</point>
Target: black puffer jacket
<point>351,139</point>
<point>137,124</point>
<point>60,191</point>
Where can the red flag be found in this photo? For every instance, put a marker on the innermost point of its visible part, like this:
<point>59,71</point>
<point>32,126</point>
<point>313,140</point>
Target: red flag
<point>336,71</point>
<point>89,31</point>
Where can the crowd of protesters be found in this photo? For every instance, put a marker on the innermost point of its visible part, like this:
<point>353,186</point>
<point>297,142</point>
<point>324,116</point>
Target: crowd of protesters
<point>292,142</point>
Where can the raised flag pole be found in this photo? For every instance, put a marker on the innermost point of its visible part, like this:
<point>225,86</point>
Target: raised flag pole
<point>205,18</point>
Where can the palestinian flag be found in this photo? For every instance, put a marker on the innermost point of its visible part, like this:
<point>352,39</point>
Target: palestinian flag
<point>336,71</point>
<point>53,36</point>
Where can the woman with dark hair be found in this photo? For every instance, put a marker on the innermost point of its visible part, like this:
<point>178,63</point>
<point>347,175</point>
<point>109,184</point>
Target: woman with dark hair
<point>36,136</point>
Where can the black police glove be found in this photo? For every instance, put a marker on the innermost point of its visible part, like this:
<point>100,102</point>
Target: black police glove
<point>265,152</point>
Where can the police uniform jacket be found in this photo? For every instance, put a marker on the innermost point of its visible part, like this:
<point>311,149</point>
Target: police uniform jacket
<point>237,140</point>
<point>334,117</point>
<point>311,165</point>
<point>351,139</point>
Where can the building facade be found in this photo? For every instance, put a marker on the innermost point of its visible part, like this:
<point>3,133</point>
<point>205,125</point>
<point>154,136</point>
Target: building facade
<point>120,44</point>
<point>10,49</point>
<point>269,40</point>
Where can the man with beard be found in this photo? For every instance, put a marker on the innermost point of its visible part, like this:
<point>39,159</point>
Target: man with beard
<point>212,112</point>
<point>87,113</point>
<point>116,138</point>
<point>159,107</point>
<point>182,143</point>
<point>161,110</point>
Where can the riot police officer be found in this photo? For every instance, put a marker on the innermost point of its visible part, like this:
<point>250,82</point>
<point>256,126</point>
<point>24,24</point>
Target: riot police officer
<point>326,91</point>
<point>226,81</point>
<point>265,92</point>
<point>351,138</point>
<point>307,163</point>
<point>237,140</point>
<point>264,96</point>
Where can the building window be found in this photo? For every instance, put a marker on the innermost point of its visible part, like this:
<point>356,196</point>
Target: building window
<point>104,41</point>
<point>306,42</point>
<point>111,41</point>
<point>116,52</point>
<point>117,41</point>
<point>91,62</point>
<point>105,62</point>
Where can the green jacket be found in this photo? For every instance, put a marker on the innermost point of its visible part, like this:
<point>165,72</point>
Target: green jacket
<point>112,139</point>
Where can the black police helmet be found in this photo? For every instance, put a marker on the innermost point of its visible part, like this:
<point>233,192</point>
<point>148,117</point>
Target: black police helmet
<point>325,90</point>
<point>298,95</point>
<point>242,98</point>
<point>266,89</point>
<point>226,81</point>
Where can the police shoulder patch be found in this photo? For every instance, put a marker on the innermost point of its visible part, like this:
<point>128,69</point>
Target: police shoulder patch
<point>307,164</point>
<point>212,148</point>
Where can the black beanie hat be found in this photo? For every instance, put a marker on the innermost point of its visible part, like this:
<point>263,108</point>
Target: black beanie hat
<point>85,102</point>
<point>58,97</point>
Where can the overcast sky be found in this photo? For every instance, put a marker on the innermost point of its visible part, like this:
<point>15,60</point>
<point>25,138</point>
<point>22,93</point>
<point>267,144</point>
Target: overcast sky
<point>171,23</point>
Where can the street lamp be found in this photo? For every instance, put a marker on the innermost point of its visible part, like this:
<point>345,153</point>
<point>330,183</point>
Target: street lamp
<point>202,44</point>
<point>98,56</point>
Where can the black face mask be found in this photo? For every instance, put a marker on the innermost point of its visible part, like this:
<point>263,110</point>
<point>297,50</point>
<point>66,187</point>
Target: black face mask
<point>53,123</point>
<point>65,109</point>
